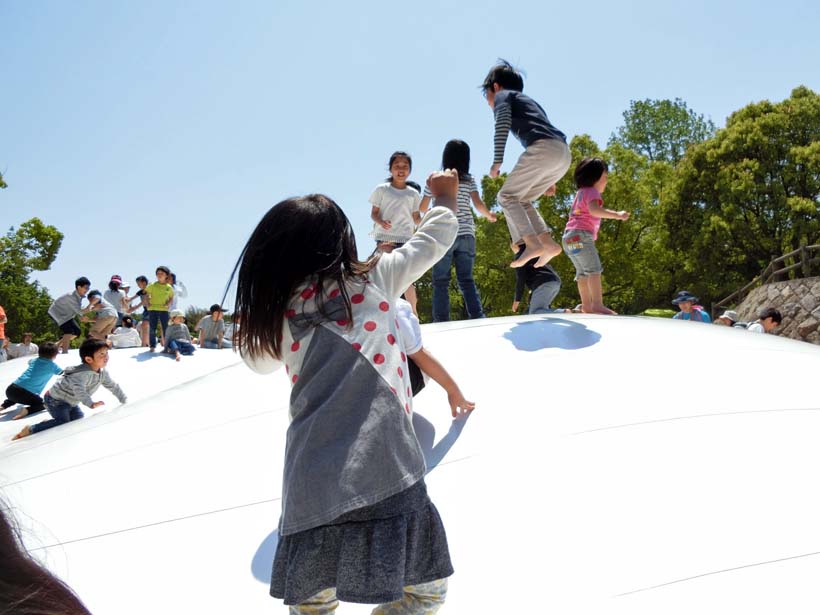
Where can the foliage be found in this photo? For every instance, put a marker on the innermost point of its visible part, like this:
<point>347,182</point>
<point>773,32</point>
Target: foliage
<point>662,130</point>
<point>31,247</point>
<point>749,194</point>
<point>193,315</point>
<point>3,183</point>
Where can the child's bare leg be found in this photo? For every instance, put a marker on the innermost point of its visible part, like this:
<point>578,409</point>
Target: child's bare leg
<point>65,342</point>
<point>412,298</point>
<point>532,249</point>
<point>597,294</point>
<point>144,332</point>
<point>551,249</point>
<point>586,298</point>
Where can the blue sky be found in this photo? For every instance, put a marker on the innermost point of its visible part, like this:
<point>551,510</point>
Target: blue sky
<point>159,132</point>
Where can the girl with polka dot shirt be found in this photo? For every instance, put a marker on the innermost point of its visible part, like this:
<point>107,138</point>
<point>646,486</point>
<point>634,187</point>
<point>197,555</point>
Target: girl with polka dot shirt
<point>356,523</point>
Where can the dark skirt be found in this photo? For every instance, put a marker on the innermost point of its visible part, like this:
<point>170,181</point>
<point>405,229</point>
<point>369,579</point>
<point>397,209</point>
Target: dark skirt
<point>368,554</point>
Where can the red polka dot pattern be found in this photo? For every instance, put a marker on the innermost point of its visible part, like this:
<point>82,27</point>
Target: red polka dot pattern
<point>307,293</point>
<point>357,298</point>
<point>404,358</point>
<point>334,293</point>
<point>295,378</point>
<point>290,313</point>
<point>356,346</point>
<point>370,326</point>
<point>391,339</point>
<point>341,323</point>
<point>384,306</point>
<point>401,373</point>
<point>378,359</point>
<point>294,346</point>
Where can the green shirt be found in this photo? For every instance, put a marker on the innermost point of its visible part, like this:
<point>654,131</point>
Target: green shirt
<point>159,296</point>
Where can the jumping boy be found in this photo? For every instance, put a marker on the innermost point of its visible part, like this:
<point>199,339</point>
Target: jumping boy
<point>77,385</point>
<point>544,282</point>
<point>545,160</point>
<point>65,308</point>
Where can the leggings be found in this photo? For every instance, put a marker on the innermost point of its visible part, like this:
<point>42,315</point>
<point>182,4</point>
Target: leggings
<point>423,599</point>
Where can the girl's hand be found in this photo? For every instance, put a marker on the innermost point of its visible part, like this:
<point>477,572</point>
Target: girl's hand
<point>456,399</point>
<point>97,404</point>
<point>623,215</point>
<point>495,169</point>
<point>491,217</point>
<point>515,306</point>
<point>550,191</point>
<point>385,224</point>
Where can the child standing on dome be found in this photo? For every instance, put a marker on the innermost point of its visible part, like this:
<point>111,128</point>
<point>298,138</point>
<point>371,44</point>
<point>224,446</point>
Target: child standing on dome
<point>395,210</point>
<point>357,523</point>
<point>582,231</point>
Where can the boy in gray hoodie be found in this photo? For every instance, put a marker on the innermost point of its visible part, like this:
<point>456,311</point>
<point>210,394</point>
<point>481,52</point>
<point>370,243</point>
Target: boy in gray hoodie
<point>77,385</point>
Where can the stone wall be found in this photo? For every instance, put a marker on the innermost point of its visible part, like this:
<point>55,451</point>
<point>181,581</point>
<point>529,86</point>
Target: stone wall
<point>798,302</point>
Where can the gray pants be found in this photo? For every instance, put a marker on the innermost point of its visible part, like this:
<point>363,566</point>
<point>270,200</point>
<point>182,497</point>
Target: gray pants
<point>540,166</point>
<point>542,297</point>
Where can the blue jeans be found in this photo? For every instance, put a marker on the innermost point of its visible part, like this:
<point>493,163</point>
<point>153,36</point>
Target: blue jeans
<point>542,297</point>
<point>214,344</point>
<point>154,317</point>
<point>181,346</point>
<point>60,411</point>
<point>462,252</point>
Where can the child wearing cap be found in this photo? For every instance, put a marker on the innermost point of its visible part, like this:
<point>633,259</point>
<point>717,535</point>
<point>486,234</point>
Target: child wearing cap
<point>688,310</point>
<point>115,295</point>
<point>212,329</point>
<point>177,337</point>
<point>106,316</point>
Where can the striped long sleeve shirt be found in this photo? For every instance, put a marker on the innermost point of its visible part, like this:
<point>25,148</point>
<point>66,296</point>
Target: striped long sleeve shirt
<point>523,116</point>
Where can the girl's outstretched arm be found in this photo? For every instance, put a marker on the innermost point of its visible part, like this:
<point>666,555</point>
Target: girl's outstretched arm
<point>601,212</point>
<point>431,366</point>
<point>395,271</point>
<point>481,207</point>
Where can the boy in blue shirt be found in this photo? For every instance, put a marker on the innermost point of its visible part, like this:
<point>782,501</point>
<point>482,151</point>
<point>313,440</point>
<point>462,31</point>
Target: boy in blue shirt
<point>545,160</point>
<point>27,388</point>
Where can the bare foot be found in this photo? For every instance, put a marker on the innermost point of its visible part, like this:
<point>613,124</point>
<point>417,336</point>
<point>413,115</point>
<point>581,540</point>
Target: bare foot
<point>26,431</point>
<point>526,256</point>
<point>547,256</point>
<point>178,357</point>
<point>22,414</point>
<point>605,310</point>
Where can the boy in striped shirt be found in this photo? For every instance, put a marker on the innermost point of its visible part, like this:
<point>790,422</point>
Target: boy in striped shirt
<point>545,161</point>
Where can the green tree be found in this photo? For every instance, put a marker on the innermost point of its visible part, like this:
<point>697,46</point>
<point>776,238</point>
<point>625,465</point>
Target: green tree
<point>749,194</point>
<point>31,247</point>
<point>662,130</point>
<point>3,183</point>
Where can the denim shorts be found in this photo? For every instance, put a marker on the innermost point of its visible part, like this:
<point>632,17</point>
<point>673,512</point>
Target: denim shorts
<point>580,247</point>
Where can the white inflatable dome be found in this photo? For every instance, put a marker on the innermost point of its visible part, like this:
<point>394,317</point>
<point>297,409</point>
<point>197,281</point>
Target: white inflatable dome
<point>612,465</point>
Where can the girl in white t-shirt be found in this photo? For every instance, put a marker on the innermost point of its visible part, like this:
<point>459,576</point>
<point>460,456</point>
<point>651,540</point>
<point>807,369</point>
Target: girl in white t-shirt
<point>395,210</point>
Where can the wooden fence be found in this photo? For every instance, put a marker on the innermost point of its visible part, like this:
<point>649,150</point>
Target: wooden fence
<point>803,260</point>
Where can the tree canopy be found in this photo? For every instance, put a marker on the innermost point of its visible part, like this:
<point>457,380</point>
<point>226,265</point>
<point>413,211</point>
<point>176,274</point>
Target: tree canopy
<point>709,209</point>
<point>31,247</point>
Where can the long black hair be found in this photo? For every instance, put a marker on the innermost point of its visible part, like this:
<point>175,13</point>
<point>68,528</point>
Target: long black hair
<point>300,239</point>
<point>26,587</point>
<point>456,156</point>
